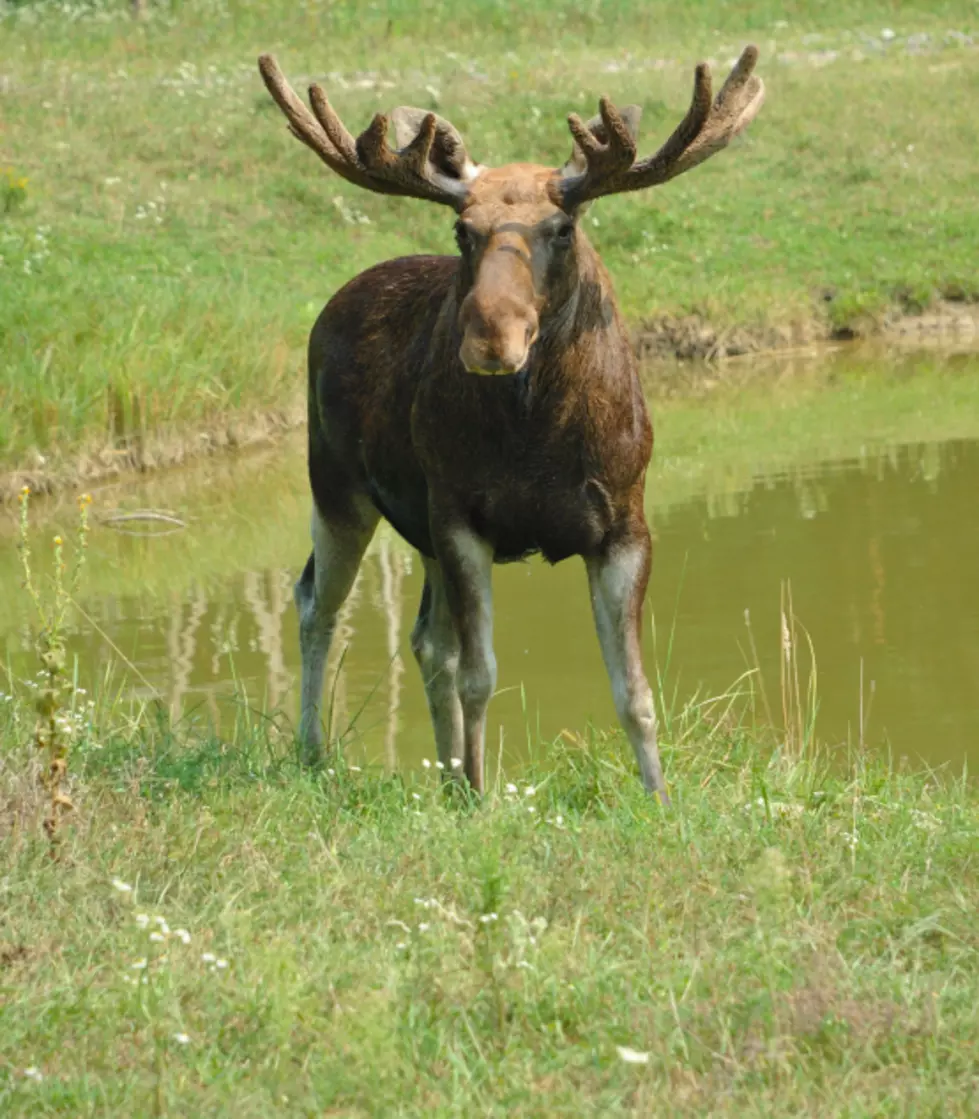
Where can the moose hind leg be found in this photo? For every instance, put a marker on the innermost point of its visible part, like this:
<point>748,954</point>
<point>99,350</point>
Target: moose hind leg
<point>617,581</point>
<point>436,647</point>
<point>338,547</point>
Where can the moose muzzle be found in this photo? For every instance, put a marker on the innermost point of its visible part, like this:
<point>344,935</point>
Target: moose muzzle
<point>499,317</point>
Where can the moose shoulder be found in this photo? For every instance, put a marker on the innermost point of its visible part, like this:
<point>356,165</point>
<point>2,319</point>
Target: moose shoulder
<point>487,405</point>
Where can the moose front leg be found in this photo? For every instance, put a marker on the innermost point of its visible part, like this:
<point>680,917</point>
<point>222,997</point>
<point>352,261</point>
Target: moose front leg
<point>466,563</point>
<point>617,580</point>
<point>435,644</point>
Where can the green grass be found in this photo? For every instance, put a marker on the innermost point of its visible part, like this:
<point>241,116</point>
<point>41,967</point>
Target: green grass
<point>791,938</point>
<point>173,244</point>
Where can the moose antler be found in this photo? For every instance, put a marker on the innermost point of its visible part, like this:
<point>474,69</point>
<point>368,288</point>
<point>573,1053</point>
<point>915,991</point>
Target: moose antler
<point>610,165</point>
<point>433,165</point>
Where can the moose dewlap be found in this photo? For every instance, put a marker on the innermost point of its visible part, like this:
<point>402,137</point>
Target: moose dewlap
<point>487,404</point>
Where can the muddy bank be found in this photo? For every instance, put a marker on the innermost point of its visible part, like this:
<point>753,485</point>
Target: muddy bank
<point>152,452</point>
<point>662,343</point>
<point>693,337</point>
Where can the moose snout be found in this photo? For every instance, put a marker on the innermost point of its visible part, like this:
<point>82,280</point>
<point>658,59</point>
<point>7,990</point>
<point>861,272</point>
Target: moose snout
<point>495,347</point>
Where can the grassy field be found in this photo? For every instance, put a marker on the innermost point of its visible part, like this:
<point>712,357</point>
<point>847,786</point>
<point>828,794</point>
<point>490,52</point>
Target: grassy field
<point>166,245</point>
<point>223,935</point>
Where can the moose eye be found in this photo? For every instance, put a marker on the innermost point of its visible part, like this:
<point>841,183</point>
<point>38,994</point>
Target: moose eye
<point>564,235</point>
<point>464,238</point>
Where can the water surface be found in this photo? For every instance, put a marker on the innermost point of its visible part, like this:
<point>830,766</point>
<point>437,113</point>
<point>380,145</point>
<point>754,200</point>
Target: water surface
<point>855,482</point>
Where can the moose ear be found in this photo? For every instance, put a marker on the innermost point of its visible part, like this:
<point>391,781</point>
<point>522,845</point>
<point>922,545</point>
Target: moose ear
<point>448,155</point>
<point>630,115</point>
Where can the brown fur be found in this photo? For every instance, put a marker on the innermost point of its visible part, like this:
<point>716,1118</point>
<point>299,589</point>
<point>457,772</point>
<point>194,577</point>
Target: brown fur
<point>548,459</point>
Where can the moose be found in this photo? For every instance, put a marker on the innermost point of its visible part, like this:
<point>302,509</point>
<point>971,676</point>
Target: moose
<point>487,405</point>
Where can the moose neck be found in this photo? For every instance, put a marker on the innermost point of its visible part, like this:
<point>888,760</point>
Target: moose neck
<point>578,334</point>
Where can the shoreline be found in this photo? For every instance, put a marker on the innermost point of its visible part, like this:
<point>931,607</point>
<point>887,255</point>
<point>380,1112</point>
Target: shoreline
<point>662,343</point>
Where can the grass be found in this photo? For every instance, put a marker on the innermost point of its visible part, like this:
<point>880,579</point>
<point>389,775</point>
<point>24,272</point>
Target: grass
<point>792,938</point>
<point>171,245</point>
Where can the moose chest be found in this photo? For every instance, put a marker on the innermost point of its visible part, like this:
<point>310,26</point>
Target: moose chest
<point>527,469</point>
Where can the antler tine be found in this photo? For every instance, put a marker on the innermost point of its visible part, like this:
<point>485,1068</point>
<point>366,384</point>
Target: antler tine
<point>709,126</point>
<point>418,153</point>
<point>334,128</point>
<point>608,159</point>
<point>735,107</point>
<point>685,133</point>
<point>302,124</point>
<point>368,161</point>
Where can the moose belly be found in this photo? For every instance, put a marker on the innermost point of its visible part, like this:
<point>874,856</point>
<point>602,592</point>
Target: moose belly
<point>518,521</point>
<point>565,522</point>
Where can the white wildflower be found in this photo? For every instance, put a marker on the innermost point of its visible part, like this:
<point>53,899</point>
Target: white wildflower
<point>142,920</point>
<point>456,763</point>
<point>426,764</point>
<point>529,791</point>
<point>139,965</point>
<point>161,923</point>
<point>122,887</point>
<point>182,1038</point>
<point>486,918</point>
<point>183,935</point>
<point>632,1056</point>
<point>33,1073</point>
<point>157,937</point>
<point>511,788</point>
<point>220,964</point>
<point>208,957</point>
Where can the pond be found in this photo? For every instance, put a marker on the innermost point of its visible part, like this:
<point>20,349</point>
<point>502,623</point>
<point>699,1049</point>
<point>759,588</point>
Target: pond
<point>851,480</point>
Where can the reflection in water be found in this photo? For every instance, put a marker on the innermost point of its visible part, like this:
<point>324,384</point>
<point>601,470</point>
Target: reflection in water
<point>245,636</point>
<point>881,551</point>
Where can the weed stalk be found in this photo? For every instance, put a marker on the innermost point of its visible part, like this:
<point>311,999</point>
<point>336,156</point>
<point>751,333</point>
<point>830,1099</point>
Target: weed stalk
<point>52,734</point>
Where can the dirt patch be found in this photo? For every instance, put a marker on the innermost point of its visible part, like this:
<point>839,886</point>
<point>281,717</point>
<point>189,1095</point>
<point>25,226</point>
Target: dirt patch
<point>947,324</point>
<point>807,1010</point>
<point>695,338</point>
<point>12,954</point>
